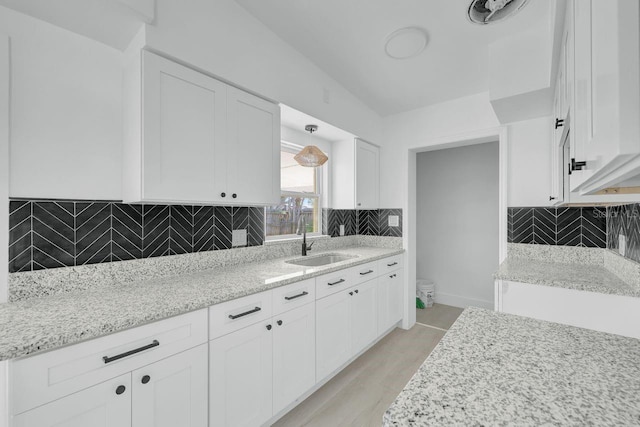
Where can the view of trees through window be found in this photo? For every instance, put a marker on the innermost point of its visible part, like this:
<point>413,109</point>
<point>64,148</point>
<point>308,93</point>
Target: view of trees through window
<point>300,197</point>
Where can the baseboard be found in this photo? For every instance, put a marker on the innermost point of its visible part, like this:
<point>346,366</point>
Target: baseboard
<point>462,302</point>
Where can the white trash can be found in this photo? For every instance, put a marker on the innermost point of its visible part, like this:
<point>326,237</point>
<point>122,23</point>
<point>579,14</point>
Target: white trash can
<point>426,291</point>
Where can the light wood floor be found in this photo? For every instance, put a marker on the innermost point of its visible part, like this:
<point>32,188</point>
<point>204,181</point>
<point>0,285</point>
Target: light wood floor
<point>362,392</point>
<point>440,315</point>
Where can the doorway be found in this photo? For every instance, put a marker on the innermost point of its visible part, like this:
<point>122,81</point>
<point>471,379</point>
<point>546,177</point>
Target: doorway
<point>457,228</point>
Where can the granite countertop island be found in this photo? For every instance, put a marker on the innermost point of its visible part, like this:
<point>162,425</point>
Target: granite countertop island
<point>48,322</point>
<point>498,369</point>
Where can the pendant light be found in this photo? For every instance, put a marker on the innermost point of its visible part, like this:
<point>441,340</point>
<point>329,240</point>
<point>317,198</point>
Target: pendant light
<point>311,156</point>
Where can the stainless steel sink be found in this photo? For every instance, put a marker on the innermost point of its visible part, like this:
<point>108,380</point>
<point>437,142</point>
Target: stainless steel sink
<point>324,259</point>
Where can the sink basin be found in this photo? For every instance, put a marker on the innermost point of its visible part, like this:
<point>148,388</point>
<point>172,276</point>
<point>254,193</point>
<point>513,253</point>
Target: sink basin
<point>325,259</point>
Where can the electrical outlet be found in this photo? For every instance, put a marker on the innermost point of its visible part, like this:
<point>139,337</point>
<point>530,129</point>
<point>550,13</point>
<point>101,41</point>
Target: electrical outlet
<point>622,244</point>
<point>239,237</point>
<point>394,220</point>
<point>342,229</point>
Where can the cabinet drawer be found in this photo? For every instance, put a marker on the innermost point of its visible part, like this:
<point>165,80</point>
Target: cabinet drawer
<point>365,272</point>
<point>42,378</point>
<point>233,315</point>
<point>334,282</point>
<point>294,295</point>
<point>390,264</point>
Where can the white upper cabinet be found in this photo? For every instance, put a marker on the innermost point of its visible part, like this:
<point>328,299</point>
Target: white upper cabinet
<point>597,102</point>
<point>607,54</point>
<point>184,141</point>
<point>367,175</point>
<point>356,175</point>
<point>253,149</point>
<point>201,140</point>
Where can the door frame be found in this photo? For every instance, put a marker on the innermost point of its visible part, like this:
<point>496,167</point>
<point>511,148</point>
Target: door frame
<point>409,226</point>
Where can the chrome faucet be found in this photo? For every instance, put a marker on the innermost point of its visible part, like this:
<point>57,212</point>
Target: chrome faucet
<point>302,229</point>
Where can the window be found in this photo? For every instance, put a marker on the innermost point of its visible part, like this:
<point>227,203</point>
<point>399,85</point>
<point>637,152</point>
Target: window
<point>300,188</point>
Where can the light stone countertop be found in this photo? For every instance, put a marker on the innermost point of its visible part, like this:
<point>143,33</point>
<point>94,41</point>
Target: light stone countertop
<point>45,323</point>
<point>582,277</point>
<point>499,369</point>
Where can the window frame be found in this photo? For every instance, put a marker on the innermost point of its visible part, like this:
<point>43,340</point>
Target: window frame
<point>295,148</point>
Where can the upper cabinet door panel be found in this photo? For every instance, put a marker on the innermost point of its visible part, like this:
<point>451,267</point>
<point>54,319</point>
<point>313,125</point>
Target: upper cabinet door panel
<point>254,149</point>
<point>184,116</point>
<point>367,175</point>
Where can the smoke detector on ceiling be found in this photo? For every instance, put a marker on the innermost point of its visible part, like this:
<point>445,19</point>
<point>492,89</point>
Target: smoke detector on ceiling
<point>490,11</point>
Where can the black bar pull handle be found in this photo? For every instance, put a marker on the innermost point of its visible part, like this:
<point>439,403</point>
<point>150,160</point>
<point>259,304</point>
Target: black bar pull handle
<point>297,296</point>
<point>235,316</point>
<point>366,272</point>
<point>392,264</point>
<point>336,283</point>
<point>108,359</point>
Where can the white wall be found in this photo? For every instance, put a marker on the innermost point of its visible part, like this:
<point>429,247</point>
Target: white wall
<point>222,38</point>
<point>529,147</point>
<point>66,107</point>
<point>457,222</point>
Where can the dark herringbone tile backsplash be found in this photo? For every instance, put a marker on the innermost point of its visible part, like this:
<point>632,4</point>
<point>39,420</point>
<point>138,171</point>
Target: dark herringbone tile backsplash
<point>567,226</point>
<point>50,234</point>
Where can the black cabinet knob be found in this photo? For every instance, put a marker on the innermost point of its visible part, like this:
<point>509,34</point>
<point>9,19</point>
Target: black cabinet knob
<point>351,293</point>
<point>223,194</point>
<point>120,389</point>
<point>356,291</point>
<point>268,327</point>
<point>146,379</point>
<point>551,198</point>
<point>234,195</point>
<point>279,322</point>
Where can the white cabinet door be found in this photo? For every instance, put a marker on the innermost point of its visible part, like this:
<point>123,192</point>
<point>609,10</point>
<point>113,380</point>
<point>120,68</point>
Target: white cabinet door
<point>614,104</point>
<point>364,315</point>
<point>173,391</point>
<point>240,377</point>
<point>253,155</point>
<point>104,405</point>
<point>367,175</point>
<point>184,122</point>
<point>390,297</point>
<point>294,355</point>
<point>333,333</point>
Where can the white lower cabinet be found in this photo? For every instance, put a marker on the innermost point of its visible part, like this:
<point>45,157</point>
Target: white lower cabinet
<point>294,355</point>
<point>258,371</point>
<point>333,335</point>
<point>346,322</point>
<point>390,297</point>
<point>364,315</point>
<point>241,377</point>
<point>107,405</point>
<point>167,393</point>
<point>172,392</point>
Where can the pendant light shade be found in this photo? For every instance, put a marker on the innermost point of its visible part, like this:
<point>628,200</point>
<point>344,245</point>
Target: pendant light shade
<point>311,156</point>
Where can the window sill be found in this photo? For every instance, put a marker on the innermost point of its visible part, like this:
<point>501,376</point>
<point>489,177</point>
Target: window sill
<point>288,239</point>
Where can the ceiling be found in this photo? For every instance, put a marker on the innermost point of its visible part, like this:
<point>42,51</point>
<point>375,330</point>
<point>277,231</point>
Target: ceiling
<point>113,23</point>
<point>297,120</point>
<point>346,40</point>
